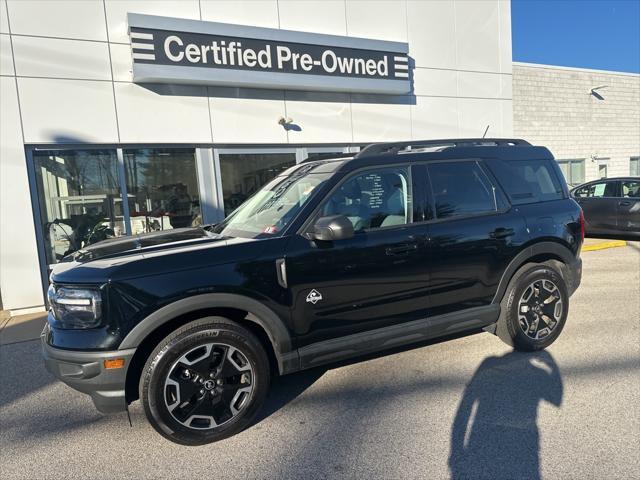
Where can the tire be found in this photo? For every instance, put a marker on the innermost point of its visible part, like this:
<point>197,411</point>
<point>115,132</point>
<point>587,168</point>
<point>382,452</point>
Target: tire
<point>526,300</point>
<point>204,382</point>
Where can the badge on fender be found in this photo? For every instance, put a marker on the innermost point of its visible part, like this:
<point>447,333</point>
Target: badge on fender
<point>314,296</point>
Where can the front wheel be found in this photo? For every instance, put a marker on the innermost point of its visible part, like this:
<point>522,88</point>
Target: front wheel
<point>534,309</point>
<point>204,382</point>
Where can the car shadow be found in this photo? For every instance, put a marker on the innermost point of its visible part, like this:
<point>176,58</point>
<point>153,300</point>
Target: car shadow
<point>285,389</point>
<point>495,432</point>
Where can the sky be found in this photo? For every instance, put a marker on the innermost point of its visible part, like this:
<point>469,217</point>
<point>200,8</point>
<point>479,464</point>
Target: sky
<point>599,34</point>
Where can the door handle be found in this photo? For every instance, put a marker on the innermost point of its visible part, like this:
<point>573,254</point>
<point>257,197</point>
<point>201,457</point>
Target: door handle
<point>502,233</point>
<point>624,203</point>
<point>403,249</point>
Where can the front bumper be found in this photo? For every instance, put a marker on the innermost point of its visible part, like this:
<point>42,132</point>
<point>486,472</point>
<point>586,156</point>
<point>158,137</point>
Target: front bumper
<point>85,372</point>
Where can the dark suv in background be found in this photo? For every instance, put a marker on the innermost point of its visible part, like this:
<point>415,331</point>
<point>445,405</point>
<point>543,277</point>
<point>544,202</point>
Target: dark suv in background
<point>332,259</point>
<point>611,207</point>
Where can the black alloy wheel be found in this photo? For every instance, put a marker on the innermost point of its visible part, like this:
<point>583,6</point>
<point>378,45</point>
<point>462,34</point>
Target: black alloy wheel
<point>205,382</point>
<point>540,309</point>
<point>534,309</point>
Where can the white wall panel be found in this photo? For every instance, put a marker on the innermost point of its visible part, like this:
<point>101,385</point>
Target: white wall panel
<point>169,114</point>
<point>65,19</point>
<point>432,35</point>
<point>121,62</point>
<point>475,114</point>
<point>61,58</point>
<point>4,20</point>
<point>258,13</point>
<point>442,83</point>
<point>480,85</point>
<point>477,35</point>
<point>6,58</point>
<point>506,60</point>
<point>247,116</point>
<point>20,281</point>
<point>434,117</point>
<point>379,122</point>
<point>67,111</point>
<point>117,13</point>
<point>320,121</point>
<point>382,19</point>
<point>319,16</point>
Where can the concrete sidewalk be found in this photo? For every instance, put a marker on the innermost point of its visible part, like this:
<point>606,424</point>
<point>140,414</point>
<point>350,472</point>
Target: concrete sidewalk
<point>21,327</point>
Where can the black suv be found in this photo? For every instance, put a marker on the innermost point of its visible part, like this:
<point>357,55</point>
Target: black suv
<point>332,259</point>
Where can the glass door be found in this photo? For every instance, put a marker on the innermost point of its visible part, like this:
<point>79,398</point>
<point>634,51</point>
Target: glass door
<point>162,188</point>
<point>244,171</point>
<point>79,199</point>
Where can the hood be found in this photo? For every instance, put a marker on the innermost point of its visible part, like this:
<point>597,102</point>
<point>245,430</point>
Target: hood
<point>152,254</point>
<point>141,244</point>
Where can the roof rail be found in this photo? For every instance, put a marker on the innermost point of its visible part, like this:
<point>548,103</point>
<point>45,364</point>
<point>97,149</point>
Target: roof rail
<point>395,147</point>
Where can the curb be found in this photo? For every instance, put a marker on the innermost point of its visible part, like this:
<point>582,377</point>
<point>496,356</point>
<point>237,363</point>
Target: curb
<point>604,245</point>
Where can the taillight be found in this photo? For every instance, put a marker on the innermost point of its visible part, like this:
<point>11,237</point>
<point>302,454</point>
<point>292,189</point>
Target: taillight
<point>582,225</point>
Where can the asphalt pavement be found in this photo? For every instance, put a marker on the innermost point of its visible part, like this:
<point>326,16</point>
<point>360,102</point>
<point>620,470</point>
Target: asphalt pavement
<point>466,408</point>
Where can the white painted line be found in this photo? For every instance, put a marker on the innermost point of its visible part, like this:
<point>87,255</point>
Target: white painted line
<point>142,46</point>
<point>141,36</point>
<point>144,56</point>
<point>402,74</point>
<point>400,59</point>
<point>401,67</point>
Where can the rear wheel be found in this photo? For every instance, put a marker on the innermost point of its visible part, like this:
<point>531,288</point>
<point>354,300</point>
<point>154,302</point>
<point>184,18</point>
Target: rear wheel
<point>534,308</point>
<point>205,382</point>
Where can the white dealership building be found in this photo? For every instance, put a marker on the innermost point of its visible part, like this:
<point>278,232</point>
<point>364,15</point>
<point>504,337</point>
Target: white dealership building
<point>120,117</point>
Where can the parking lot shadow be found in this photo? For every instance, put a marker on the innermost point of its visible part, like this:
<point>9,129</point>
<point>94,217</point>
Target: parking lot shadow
<point>495,433</point>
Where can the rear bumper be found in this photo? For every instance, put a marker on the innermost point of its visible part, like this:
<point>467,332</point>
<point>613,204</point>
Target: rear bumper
<point>573,275</point>
<point>85,372</point>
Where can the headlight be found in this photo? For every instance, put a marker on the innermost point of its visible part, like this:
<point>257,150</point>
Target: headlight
<point>75,307</point>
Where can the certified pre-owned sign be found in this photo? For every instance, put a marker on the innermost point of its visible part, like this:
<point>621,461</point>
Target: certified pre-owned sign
<point>170,50</point>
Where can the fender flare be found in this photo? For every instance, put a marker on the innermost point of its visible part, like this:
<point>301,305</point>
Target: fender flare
<point>521,258</point>
<point>258,313</point>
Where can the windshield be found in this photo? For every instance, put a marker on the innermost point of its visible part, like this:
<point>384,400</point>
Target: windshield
<point>271,209</point>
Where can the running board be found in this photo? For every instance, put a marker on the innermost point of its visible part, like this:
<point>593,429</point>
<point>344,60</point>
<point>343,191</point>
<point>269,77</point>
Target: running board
<point>401,334</point>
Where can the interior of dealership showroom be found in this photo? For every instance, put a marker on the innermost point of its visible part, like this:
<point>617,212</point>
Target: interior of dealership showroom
<point>125,117</point>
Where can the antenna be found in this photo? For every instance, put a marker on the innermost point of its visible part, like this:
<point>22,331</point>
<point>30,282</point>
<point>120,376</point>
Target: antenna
<point>485,131</point>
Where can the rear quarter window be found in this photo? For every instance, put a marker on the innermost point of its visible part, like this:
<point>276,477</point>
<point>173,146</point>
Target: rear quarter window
<point>527,181</point>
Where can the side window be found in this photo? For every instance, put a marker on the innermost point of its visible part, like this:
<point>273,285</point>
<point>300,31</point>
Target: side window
<point>611,189</point>
<point>582,192</point>
<point>373,199</point>
<point>631,189</point>
<point>597,190</point>
<point>527,181</point>
<point>461,188</point>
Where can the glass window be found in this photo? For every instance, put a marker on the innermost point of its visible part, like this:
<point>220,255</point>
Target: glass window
<point>461,188</point>
<point>573,171</point>
<point>162,186</point>
<point>600,189</point>
<point>269,211</point>
<point>80,201</point>
<point>374,199</point>
<point>243,174</point>
<point>631,188</point>
<point>527,181</point>
<point>602,170</point>
<point>634,166</point>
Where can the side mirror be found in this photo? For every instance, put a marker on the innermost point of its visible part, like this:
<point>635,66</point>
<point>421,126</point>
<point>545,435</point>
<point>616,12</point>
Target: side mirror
<point>335,227</point>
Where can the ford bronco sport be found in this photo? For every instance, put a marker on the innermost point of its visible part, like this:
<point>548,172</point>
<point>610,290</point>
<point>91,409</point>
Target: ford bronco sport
<point>332,259</point>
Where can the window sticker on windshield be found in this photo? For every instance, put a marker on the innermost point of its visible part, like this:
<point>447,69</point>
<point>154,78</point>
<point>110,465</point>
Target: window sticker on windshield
<point>599,190</point>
